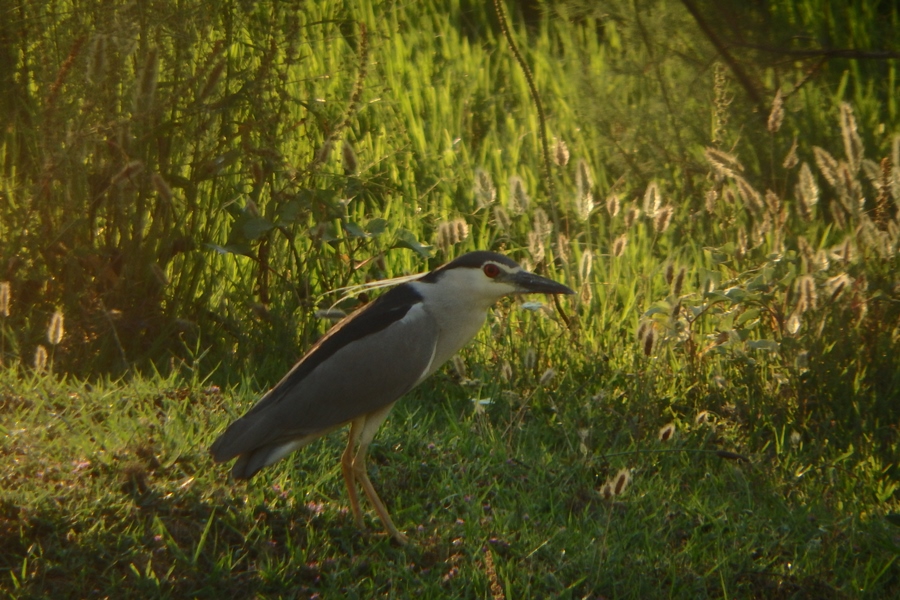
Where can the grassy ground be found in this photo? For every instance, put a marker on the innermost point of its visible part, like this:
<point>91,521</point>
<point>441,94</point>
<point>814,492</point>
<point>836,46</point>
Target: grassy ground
<point>182,187</point>
<point>109,492</point>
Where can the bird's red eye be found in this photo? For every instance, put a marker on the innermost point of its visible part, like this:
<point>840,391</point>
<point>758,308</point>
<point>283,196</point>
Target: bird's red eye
<point>491,270</point>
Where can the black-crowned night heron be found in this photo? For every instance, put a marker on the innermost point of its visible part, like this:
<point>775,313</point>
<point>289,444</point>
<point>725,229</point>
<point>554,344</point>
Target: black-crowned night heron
<point>356,372</point>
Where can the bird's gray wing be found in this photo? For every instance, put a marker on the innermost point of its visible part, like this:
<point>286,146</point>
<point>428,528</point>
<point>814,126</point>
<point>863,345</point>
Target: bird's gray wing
<point>371,372</point>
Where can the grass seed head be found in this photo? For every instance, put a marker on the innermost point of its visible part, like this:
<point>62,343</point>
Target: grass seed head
<point>791,160</point>
<point>485,192</point>
<point>619,245</point>
<point>666,432</point>
<point>56,331</point>
<point>623,478</point>
<point>663,219</point>
<point>613,205</point>
<point>670,273</point>
<point>40,359</point>
<point>459,366</point>
<point>807,193</point>
<point>536,246</point>
<point>585,265</point>
<point>631,216</point>
<point>895,169</point>
<point>853,145</point>
<point>518,197</point>
<point>530,359</point>
<point>542,225</point>
<point>502,218</point>
<point>147,85</point>
<point>828,166</point>
<point>606,491</point>
<point>724,165</point>
<point>652,199</point>
<point>710,200</point>
<point>4,298</point>
<point>547,376</point>
<point>560,153</point>
<point>742,243</point>
<point>649,341</point>
<point>776,116</point>
<point>562,248</point>
<point>348,158</point>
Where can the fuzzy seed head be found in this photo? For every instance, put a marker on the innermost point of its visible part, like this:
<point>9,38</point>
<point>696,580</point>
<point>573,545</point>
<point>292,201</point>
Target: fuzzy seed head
<point>606,491</point>
<point>773,202</point>
<point>620,483</point>
<point>724,165</point>
<point>459,366</point>
<point>837,285</point>
<point>793,323</point>
<point>828,166</point>
<point>808,298</point>
<point>649,341</point>
<point>663,219</point>
<point>618,248</point>
<point>144,94</point>
<point>542,225</point>
<point>670,273</point>
<point>518,197</point>
<point>752,199</point>
<point>631,216</point>
<point>776,116</point>
<point>742,242</point>
<point>530,359</point>
<point>560,153</point>
<point>506,372</point>
<point>652,200</point>
<point>613,205</point>
<point>807,193</point>
<point>348,158</point>
<point>40,359</point>
<point>56,331</point>
<point>485,192</point>
<point>536,246</point>
<point>895,170</point>
<point>562,248</point>
<point>547,377</point>
<point>586,294</point>
<point>666,432</point>
<point>585,265</point>
<point>502,218</point>
<point>451,232</point>
<point>838,214</point>
<point>4,298</point>
<point>853,145</point>
<point>584,197</point>
<point>710,200</point>
<point>791,160</point>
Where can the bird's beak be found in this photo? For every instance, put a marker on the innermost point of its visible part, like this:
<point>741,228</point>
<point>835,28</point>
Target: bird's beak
<point>529,283</point>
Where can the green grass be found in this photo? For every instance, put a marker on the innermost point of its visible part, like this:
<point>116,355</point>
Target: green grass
<point>164,187</point>
<point>109,491</point>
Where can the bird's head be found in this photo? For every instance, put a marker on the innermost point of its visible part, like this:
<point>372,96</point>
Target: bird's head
<point>485,277</point>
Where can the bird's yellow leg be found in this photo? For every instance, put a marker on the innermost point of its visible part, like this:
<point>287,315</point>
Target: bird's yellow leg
<point>356,428</point>
<point>369,429</point>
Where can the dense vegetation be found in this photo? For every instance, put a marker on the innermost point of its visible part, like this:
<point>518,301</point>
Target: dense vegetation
<point>185,189</point>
